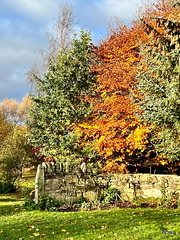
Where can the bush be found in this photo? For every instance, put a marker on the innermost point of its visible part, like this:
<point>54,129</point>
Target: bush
<point>48,204</point>
<point>7,187</point>
<point>111,196</point>
<point>79,202</point>
<point>45,204</point>
<point>30,205</point>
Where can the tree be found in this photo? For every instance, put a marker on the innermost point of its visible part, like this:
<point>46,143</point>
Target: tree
<point>14,155</point>
<point>13,150</point>
<point>159,79</point>
<point>15,112</point>
<point>5,128</point>
<point>58,102</point>
<point>59,39</point>
<point>113,129</point>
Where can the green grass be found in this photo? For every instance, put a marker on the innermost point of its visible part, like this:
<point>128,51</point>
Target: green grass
<point>16,224</point>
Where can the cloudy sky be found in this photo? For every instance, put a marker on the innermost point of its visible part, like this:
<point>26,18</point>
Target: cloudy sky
<point>23,24</point>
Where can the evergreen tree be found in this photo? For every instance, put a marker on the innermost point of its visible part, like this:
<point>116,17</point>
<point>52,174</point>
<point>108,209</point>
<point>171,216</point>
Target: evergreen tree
<point>59,103</point>
<point>159,83</point>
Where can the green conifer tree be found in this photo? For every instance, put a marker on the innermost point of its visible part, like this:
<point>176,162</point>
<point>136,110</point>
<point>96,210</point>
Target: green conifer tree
<point>160,86</point>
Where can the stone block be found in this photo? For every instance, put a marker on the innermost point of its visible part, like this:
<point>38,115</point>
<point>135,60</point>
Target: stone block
<point>90,196</point>
<point>151,193</point>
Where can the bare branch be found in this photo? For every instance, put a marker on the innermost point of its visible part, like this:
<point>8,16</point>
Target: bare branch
<point>63,29</point>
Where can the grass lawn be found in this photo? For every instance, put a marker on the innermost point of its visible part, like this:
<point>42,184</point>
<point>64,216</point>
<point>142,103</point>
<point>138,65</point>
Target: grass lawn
<point>16,223</point>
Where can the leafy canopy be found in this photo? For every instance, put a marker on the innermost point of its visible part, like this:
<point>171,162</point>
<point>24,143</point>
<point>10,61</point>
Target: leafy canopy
<point>159,79</point>
<point>58,102</point>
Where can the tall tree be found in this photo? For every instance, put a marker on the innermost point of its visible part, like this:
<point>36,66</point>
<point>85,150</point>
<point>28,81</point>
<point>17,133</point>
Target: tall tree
<point>59,38</point>
<point>13,149</point>
<point>58,102</point>
<point>159,78</point>
<point>16,112</point>
<point>114,130</point>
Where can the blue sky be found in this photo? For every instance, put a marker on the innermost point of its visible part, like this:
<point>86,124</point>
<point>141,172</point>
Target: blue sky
<point>23,24</point>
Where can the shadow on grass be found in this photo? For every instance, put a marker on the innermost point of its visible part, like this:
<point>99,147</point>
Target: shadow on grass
<point>10,203</point>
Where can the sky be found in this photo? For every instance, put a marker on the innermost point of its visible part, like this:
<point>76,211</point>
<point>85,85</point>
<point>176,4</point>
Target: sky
<point>23,27</point>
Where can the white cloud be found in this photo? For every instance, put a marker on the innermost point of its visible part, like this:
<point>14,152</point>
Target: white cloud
<point>23,24</point>
<point>94,14</point>
<point>122,8</point>
<point>19,50</point>
<point>39,9</point>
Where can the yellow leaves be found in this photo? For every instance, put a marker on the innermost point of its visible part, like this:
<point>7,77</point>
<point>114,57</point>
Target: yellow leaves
<point>23,107</point>
<point>86,125</point>
<point>163,162</point>
<point>138,139</point>
<point>113,166</point>
<point>104,94</point>
<point>36,234</point>
<point>113,128</point>
<point>14,110</point>
<point>120,159</point>
<point>10,106</point>
<point>101,139</point>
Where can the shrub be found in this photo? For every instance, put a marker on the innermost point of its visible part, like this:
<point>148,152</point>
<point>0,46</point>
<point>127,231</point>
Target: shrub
<point>30,205</point>
<point>111,195</point>
<point>48,204</point>
<point>7,187</point>
<point>79,202</point>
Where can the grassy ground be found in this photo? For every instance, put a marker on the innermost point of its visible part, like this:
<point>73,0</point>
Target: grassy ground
<point>18,224</point>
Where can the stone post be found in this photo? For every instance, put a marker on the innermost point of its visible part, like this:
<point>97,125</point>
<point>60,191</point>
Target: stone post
<point>39,183</point>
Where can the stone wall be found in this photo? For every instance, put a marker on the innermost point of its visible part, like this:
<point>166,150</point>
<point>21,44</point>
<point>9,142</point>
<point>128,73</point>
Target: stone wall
<point>67,184</point>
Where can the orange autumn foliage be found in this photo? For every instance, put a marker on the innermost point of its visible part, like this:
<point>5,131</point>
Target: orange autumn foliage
<point>114,129</point>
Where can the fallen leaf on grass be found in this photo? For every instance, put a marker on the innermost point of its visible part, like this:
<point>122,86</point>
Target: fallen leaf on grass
<point>101,236</point>
<point>36,234</point>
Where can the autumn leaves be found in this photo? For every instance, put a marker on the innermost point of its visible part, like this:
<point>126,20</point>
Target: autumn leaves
<point>116,129</point>
<point>106,88</point>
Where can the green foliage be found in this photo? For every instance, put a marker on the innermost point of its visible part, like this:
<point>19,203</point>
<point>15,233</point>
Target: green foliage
<point>13,154</point>
<point>5,129</point>
<point>29,204</point>
<point>79,202</point>
<point>171,201</point>
<point>159,87</point>
<point>45,204</point>
<point>48,204</point>
<point>13,148</point>
<point>111,196</point>
<point>6,187</point>
<point>59,104</point>
<point>85,206</point>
